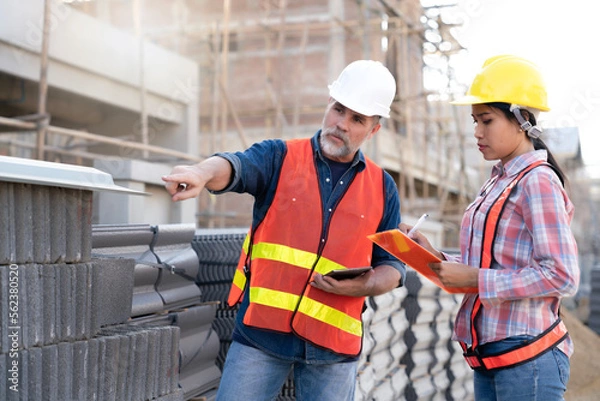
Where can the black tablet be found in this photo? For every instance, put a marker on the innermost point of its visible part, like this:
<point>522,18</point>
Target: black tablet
<point>342,274</point>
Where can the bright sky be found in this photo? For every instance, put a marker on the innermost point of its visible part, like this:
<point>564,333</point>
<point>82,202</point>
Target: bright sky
<point>559,36</point>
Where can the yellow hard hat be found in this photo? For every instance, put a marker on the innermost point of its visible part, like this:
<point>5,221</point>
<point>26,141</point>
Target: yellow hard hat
<point>508,79</point>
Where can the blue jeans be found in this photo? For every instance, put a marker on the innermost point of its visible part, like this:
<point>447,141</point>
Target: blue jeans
<point>541,379</point>
<point>253,375</point>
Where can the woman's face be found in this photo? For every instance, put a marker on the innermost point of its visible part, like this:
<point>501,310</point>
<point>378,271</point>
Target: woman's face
<point>498,138</point>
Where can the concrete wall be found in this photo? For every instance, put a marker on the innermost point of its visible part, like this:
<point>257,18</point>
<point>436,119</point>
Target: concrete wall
<point>94,84</point>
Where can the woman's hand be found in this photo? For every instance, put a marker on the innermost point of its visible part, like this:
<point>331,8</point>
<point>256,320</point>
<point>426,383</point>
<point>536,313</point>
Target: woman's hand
<point>456,274</point>
<point>420,239</point>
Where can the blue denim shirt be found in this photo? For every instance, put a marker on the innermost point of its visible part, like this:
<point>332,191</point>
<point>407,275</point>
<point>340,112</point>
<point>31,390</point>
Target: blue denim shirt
<point>256,172</point>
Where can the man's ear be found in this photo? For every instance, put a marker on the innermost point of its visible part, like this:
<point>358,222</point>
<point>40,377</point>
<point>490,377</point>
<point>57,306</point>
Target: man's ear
<point>374,130</point>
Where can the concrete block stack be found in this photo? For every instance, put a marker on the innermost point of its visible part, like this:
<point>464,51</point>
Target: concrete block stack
<point>165,295</point>
<point>218,253</point>
<point>57,303</point>
<point>594,318</point>
<point>380,373</point>
<point>435,368</point>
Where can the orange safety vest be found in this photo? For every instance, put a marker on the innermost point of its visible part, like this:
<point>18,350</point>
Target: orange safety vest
<point>556,333</point>
<point>284,251</point>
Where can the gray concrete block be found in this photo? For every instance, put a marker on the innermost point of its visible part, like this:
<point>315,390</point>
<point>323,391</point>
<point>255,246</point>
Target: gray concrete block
<point>3,376</point>
<point>78,214</point>
<point>58,225</point>
<point>14,308</point>
<point>7,224</point>
<point>23,321</point>
<point>40,224</point>
<point>176,395</point>
<point>90,322</point>
<point>24,378</point>
<point>94,367</point>
<point>4,291</point>
<point>35,293</point>
<point>35,366</point>
<point>128,344</point>
<point>140,365</point>
<point>15,384</point>
<point>80,370</point>
<point>173,374</point>
<point>112,290</point>
<point>111,368</point>
<point>82,298</point>
<point>124,366</point>
<point>128,376</point>
<point>65,361</point>
<point>42,209</point>
<point>101,367</point>
<point>66,301</point>
<point>58,301</point>
<point>50,373</point>
<point>166,349</point>
<point>50,302</point>
<point>23,214</point>
<point>73,225</point>
<point>152,367</point>
<point>86,225</point>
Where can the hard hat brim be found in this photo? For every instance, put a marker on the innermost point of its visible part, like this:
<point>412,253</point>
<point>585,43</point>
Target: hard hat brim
<point>470,100</point>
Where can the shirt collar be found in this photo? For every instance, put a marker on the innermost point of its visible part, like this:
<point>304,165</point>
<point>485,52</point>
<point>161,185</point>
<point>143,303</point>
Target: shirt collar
<point>359,157</point>
<point>514,166</point>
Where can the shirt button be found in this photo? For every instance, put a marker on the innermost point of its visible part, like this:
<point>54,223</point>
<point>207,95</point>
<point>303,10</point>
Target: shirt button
<point>327,180</point>
<point>329,210</point>
<point>322,239</point>
<point>341,182</point>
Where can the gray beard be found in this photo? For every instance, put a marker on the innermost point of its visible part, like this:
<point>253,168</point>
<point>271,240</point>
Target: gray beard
<point>329,149</point>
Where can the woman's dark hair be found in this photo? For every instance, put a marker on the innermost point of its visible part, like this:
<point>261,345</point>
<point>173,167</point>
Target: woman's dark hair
<point>538,143</point>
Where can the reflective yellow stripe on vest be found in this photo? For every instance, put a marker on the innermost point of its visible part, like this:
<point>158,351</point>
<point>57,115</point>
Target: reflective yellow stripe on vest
<point>239,279</point>
<point>276,299</point>
<point>293,256</point>
<point>310,307</point>
<point>330,316</point>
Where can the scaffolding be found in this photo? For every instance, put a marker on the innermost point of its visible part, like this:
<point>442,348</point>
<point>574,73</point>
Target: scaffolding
<point>258,62</point>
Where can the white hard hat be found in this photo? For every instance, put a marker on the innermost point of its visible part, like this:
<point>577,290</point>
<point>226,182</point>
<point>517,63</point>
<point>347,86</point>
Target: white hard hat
<point>366,87</point>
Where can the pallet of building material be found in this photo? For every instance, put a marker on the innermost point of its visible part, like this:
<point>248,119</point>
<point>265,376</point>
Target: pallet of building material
<point>384,304</point>
<point>199,347</point>
<point>594,316</point>
<point>365,380</point>
<point>105,367</point>
<point>64,302</point>
<point>392,387</point>
<point>166,265</point>
<point>384,333</point>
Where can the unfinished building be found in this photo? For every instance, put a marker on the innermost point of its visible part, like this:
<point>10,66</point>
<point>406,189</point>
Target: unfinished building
<point>134,87</point>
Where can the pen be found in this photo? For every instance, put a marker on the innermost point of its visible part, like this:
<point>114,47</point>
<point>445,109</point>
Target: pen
<point>417,224</point>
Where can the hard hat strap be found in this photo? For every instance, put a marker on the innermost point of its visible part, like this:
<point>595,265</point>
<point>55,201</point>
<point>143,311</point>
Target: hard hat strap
<point>533,131</point>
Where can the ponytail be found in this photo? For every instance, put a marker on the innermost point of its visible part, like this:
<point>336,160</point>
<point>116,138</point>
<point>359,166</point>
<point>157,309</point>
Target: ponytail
<point>539,144</point>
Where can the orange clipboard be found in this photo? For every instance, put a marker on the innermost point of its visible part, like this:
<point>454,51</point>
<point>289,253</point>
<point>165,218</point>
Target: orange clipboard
<point>408,251</point>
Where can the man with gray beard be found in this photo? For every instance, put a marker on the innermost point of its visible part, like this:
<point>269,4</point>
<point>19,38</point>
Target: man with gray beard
<point>316,200</point>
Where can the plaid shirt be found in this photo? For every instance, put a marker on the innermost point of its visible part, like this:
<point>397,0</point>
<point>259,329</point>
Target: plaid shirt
<point>534,255</point>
